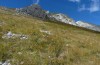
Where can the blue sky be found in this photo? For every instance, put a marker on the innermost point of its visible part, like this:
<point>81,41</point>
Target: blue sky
<point>85,10</point>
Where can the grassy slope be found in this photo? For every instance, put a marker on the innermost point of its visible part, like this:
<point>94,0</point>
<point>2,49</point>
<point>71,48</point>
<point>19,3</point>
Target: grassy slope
<point>66,45</point>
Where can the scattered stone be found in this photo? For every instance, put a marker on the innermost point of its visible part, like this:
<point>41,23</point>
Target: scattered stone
<point>19,53</point>
<point>0,63</point>
<point>11,35</point>
<point>67,45</point>
<point>22,62</point>
<point>44,31</point>
<point>5,63</point>
<point>23,37</point>
<point>49,56</point>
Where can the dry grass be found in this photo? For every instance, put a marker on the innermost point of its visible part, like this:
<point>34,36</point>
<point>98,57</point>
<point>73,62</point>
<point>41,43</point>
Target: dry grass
<point>66,45</point>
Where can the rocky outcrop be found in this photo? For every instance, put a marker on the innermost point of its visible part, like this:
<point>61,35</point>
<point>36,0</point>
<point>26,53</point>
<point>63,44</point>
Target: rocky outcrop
<point>62,18</point>
<point>33,10</point>
<point>88,26</point>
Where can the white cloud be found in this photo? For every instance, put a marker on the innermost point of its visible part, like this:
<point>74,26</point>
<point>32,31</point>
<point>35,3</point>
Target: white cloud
<point>94,6</point>
<point>82,8</point>
<point>75,1</point>
<point>37,1</point>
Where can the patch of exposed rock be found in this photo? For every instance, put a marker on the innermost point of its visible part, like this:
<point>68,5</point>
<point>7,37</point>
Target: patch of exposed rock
<point>44,31</point>
<point>11,35</point>
<point>62,18</point>
<point>5,63</point>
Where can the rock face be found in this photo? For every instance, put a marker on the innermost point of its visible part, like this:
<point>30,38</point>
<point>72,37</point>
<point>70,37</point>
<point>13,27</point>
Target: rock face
<point>88,26</point>
<point>62,18</point>
<point>34,10</point>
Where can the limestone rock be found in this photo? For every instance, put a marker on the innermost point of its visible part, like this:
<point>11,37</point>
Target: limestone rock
<point>34,10</point>
<point>11,35</point>
<point>62,18</point>
<point>88,26</point>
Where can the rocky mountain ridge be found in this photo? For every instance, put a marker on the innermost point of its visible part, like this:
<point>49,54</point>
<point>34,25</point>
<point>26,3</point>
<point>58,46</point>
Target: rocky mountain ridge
<point>88,26</point>
<point>36,11</point>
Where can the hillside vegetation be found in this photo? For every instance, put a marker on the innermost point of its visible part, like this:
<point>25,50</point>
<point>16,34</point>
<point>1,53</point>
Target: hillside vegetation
<point>48,43</point>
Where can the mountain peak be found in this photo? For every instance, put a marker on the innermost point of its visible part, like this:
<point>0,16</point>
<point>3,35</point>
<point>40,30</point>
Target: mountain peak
<point>36,11</point>
<point>35,5</point>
